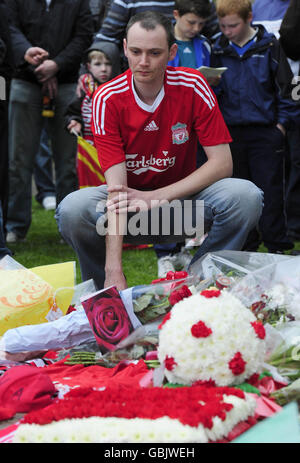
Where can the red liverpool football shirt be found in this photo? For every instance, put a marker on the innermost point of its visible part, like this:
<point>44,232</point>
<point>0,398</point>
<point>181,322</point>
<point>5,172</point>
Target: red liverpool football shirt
<point>157,142</point>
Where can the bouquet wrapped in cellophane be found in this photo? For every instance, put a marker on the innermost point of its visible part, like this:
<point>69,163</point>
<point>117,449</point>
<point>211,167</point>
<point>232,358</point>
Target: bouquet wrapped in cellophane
<point>126,325</point>
<point>272,292</point>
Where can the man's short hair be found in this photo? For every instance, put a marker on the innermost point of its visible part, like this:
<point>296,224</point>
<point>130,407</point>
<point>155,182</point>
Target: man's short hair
<point>201,8</point>
<point>240,7</point>
<point>149,20</point>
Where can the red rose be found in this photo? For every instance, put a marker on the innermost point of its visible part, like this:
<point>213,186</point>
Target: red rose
<point>210,293</point>
<point>176,275</point>
<point>109,321</point>
<point>179,294</point>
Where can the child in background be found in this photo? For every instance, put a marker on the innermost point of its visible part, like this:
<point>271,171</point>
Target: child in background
<point>194,50</point>
<point>103,63</point>
<point>257,112</point>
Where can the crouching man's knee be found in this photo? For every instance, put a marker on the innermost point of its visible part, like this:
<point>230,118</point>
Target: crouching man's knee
<point>251,201</point>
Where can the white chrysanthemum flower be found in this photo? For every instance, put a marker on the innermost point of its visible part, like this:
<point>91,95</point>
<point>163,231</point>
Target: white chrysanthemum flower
<point>211,338</point>
<point>112,430</point>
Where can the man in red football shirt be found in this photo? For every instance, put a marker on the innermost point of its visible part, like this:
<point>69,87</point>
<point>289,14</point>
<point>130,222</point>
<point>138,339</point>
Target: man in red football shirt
<point>146,123</point>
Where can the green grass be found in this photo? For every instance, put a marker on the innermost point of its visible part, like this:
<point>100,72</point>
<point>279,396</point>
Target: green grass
<point>43,246</point>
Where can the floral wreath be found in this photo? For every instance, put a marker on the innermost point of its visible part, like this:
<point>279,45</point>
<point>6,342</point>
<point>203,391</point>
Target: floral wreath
<point>211,338</point>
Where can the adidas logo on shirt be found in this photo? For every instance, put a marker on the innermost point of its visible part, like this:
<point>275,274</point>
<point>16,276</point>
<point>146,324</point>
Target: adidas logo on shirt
<point>187,50</point>
<point>150,127</point>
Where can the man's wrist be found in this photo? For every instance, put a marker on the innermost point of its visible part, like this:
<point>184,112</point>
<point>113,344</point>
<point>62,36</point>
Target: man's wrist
<point>113,270</point>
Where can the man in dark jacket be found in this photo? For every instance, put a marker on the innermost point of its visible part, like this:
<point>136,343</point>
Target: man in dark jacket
<point>290,41</point>
<point>49,39</point>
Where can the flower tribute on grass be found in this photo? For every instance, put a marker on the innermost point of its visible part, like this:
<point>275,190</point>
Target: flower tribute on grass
<point>132,414</point>
<point>211,337</point>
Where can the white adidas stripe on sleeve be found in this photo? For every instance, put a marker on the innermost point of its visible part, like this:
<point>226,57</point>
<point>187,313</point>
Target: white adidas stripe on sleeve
<point>99,103</point>
<point>197,82</point>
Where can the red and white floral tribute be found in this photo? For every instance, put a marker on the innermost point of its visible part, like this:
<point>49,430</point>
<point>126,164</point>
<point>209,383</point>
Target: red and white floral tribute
<point>125,414</point>
<point>213,338</point>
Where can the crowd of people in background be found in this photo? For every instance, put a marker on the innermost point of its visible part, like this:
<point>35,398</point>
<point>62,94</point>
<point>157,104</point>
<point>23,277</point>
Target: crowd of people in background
<point>59,52</point>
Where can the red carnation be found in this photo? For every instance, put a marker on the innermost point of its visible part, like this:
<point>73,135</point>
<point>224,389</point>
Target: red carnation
<point>208,383</point>
<point>200,330</point>
<point>211,293</point>
<point>237,364</point>
<point>170,363</point>
<point>259,329</point>
<point>179,294</point>
<point>165,319</point>
<point>253,380</point>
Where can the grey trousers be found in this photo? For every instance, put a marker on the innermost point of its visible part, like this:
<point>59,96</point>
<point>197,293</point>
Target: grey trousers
<point>25,126</point>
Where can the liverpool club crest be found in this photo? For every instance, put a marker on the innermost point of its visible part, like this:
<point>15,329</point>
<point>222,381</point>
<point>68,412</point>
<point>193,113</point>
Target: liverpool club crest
<point>179,133</point>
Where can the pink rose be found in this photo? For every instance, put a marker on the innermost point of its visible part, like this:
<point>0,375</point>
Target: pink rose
<point>109,321</point>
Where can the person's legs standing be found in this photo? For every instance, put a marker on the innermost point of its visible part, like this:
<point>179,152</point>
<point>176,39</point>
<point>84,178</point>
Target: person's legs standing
<point>43,175</point>
<point>64,145</point>
<point>240,157</point>
<point>25,124</point>
<point>293,185</point>
<point>3,174</point>
<point>266,161</point>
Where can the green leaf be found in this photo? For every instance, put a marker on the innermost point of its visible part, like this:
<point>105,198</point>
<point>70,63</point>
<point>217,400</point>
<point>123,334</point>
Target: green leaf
<point>246,387</point>
<point>142,302</point>
<point>151,313</point>
<point>173,385</point>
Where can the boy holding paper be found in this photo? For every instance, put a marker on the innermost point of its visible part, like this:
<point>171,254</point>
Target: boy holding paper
<point>194,49</point>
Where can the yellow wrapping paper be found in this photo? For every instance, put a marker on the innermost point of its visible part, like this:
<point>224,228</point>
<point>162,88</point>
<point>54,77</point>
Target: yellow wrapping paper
<point>38,295</point>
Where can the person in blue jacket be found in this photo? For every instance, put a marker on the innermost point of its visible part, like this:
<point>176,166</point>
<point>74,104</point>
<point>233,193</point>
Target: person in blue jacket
<point>255,101</point>
<point>193,49</point>
<point>282,18</point>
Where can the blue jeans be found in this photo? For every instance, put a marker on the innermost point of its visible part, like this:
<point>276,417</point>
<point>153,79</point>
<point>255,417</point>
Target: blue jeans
<point>43,167</point>
<point>232,207</point>
<point>25,127</point>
